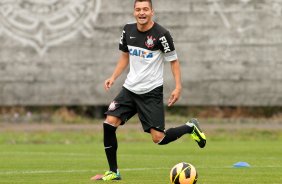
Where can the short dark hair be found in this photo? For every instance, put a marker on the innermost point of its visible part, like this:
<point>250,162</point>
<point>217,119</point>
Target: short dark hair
<point>149,1</point>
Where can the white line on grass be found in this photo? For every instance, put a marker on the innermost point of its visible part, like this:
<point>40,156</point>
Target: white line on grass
<point>47,153</point>
<point>41,172</point>
<point>13,172</point>
<point>68,171</point>
<point>91,155</point>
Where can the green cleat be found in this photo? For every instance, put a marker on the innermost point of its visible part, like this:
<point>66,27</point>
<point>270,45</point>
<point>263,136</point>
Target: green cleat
<point>108,176</point>
<point>197,133</point>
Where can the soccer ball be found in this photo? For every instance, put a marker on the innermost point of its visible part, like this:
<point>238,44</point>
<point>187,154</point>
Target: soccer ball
<point>183,173</point>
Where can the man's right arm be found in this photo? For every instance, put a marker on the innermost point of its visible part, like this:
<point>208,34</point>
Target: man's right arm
<point>121,65</point>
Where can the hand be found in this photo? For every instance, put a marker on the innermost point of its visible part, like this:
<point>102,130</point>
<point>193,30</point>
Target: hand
<point>108,83</point>
<point>174,96</point>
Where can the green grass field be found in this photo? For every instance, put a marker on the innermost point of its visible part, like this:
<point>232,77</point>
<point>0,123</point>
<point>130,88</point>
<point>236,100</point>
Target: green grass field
<point>72,157</point>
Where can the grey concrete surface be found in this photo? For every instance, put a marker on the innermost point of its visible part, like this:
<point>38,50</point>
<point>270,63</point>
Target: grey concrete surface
<point>60,52</point>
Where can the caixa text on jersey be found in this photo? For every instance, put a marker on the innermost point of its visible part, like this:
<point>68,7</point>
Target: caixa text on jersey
<point>140,53</point>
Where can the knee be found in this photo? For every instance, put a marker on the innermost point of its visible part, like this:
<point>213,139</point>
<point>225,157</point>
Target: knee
<point>157,136</point>
<point>157,139</point>
<point>114,121</point>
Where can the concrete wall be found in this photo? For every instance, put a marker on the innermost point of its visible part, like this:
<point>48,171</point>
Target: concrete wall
<point>60,52</point>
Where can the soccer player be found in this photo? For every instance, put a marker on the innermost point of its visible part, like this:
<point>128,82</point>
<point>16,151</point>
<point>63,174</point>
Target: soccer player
<point>145,46</point>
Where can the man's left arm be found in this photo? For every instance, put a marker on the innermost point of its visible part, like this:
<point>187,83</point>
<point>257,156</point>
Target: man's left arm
<point>175,95</point>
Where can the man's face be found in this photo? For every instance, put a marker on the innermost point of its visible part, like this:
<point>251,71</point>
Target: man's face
<point>143,13</point>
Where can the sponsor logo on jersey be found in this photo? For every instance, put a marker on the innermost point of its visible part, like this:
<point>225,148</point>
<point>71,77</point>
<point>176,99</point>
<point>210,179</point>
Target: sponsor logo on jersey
<point>150,42</point>
<point>165,44</point>
<point>121,37</point>
<point>140,53</point>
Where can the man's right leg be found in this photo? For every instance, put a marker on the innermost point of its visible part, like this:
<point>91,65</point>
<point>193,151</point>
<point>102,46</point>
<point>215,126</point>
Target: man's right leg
<point>110,144</point>
<point>110,141</point>
<point>120,110</point>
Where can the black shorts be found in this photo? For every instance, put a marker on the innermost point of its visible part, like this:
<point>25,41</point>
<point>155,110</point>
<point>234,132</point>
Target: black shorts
<point>148,106</point>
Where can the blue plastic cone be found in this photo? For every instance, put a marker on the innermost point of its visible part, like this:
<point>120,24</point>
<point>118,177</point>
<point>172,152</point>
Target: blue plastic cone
<point>241,165</point>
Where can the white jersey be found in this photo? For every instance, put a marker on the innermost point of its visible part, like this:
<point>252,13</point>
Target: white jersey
<point>147,53</point>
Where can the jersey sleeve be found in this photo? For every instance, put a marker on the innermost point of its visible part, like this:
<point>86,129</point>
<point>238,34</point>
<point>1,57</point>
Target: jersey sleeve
<point>167,47</point>
<point>122,43</point>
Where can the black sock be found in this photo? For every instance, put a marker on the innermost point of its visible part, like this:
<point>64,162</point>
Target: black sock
<point>174,133</point>
<point>111,145</point>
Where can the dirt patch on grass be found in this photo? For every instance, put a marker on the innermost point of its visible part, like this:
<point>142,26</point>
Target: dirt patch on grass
<point>207,125</point>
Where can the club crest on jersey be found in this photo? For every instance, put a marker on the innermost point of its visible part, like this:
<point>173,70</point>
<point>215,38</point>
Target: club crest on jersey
<point>150,42</point>
<point>113,106</point>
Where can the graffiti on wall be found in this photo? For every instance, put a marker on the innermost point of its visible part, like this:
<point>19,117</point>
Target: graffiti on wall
<point>41,24</point>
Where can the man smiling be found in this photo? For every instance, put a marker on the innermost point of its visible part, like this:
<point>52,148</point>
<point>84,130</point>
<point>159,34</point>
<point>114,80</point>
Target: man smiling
<point>145,46</point>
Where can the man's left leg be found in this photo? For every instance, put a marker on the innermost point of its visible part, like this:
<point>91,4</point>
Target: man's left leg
<point>169,135</point>
<point>172,134</point>
<point>150,108</point>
